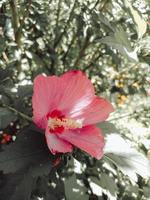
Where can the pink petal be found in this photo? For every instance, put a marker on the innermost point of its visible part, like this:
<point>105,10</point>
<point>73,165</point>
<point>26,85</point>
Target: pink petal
<point>78,92</point>
<point>97,111</point>
<point>45,98</point>
<point>55,144</point>
<point>88,139</point>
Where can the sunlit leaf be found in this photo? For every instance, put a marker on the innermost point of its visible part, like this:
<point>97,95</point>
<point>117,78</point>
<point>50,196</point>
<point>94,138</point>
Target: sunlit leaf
<point>141,25</point>
<point>106,182</point>
<point>119,40</point>
<point>107,127</point>
<point>127,159</point>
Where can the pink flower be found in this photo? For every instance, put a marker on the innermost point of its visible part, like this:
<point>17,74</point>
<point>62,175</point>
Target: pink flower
<point>67,108</point>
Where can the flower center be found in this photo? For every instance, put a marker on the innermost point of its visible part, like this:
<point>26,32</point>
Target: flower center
<point>57,122</point>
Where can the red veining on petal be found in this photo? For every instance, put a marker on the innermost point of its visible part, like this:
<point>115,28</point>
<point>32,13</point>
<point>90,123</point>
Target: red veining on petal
<point>57,129</point>
<point>55,114</point>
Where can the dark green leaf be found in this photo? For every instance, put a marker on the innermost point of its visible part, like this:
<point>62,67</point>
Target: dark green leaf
<point>29,149</point>
<point>6,116</point>
<point>2,46</point>
<point>16,186</point>
<point>73,190</point>
<point>22,162</point>
<point>25,91</point>
<point>5,75</point>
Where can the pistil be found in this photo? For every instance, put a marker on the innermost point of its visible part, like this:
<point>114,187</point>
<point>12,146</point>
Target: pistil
<point>54,123</point>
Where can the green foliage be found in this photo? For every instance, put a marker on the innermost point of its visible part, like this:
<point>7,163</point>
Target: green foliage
<point>119,40</point>
<point>73,190</point>
<point>22,162</point>
<point>6,117</point>
<point>108,40</point>
<point>140,23</point>
<point>107,183</point>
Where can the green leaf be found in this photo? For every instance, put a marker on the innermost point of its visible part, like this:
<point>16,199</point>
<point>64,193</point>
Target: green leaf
<point>99,19</point>
<point>146,191</point>
<point>73,190</point>
<point>41,43</point>
<point>2,46</point>
<point>132,189</point>
<point>105,21</point>
<point>6,116</point>
<point>127,159</point>
<point>29,149</point>
<point>24,90</point>
<point>22,162</point>
<point>119,40</point>
<point>107,127</point>
<point>106,182</point>
<point>141,25</point>
<point>5,75</point>
<point>17,185</point>
<point>29,54</point>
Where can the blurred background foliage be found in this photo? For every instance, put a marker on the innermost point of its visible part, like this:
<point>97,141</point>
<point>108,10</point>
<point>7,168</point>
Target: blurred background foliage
<point>109,40</point>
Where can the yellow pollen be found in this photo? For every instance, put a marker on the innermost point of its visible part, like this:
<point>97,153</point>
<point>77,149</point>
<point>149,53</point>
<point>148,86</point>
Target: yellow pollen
<point>66,123</point>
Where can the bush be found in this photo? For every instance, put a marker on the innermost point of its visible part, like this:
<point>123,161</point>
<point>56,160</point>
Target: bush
<point>109,41</point>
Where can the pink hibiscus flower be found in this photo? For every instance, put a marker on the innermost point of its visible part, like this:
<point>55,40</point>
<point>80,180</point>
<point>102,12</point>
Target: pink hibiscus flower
<point>67,108</point>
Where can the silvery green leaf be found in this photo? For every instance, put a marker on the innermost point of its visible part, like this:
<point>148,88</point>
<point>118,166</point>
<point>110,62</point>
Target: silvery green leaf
<point>140,23</point>
<point>129,160</point>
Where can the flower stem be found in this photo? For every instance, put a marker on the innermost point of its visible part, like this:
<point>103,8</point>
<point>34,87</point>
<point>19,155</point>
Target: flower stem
<point>18,112</point>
